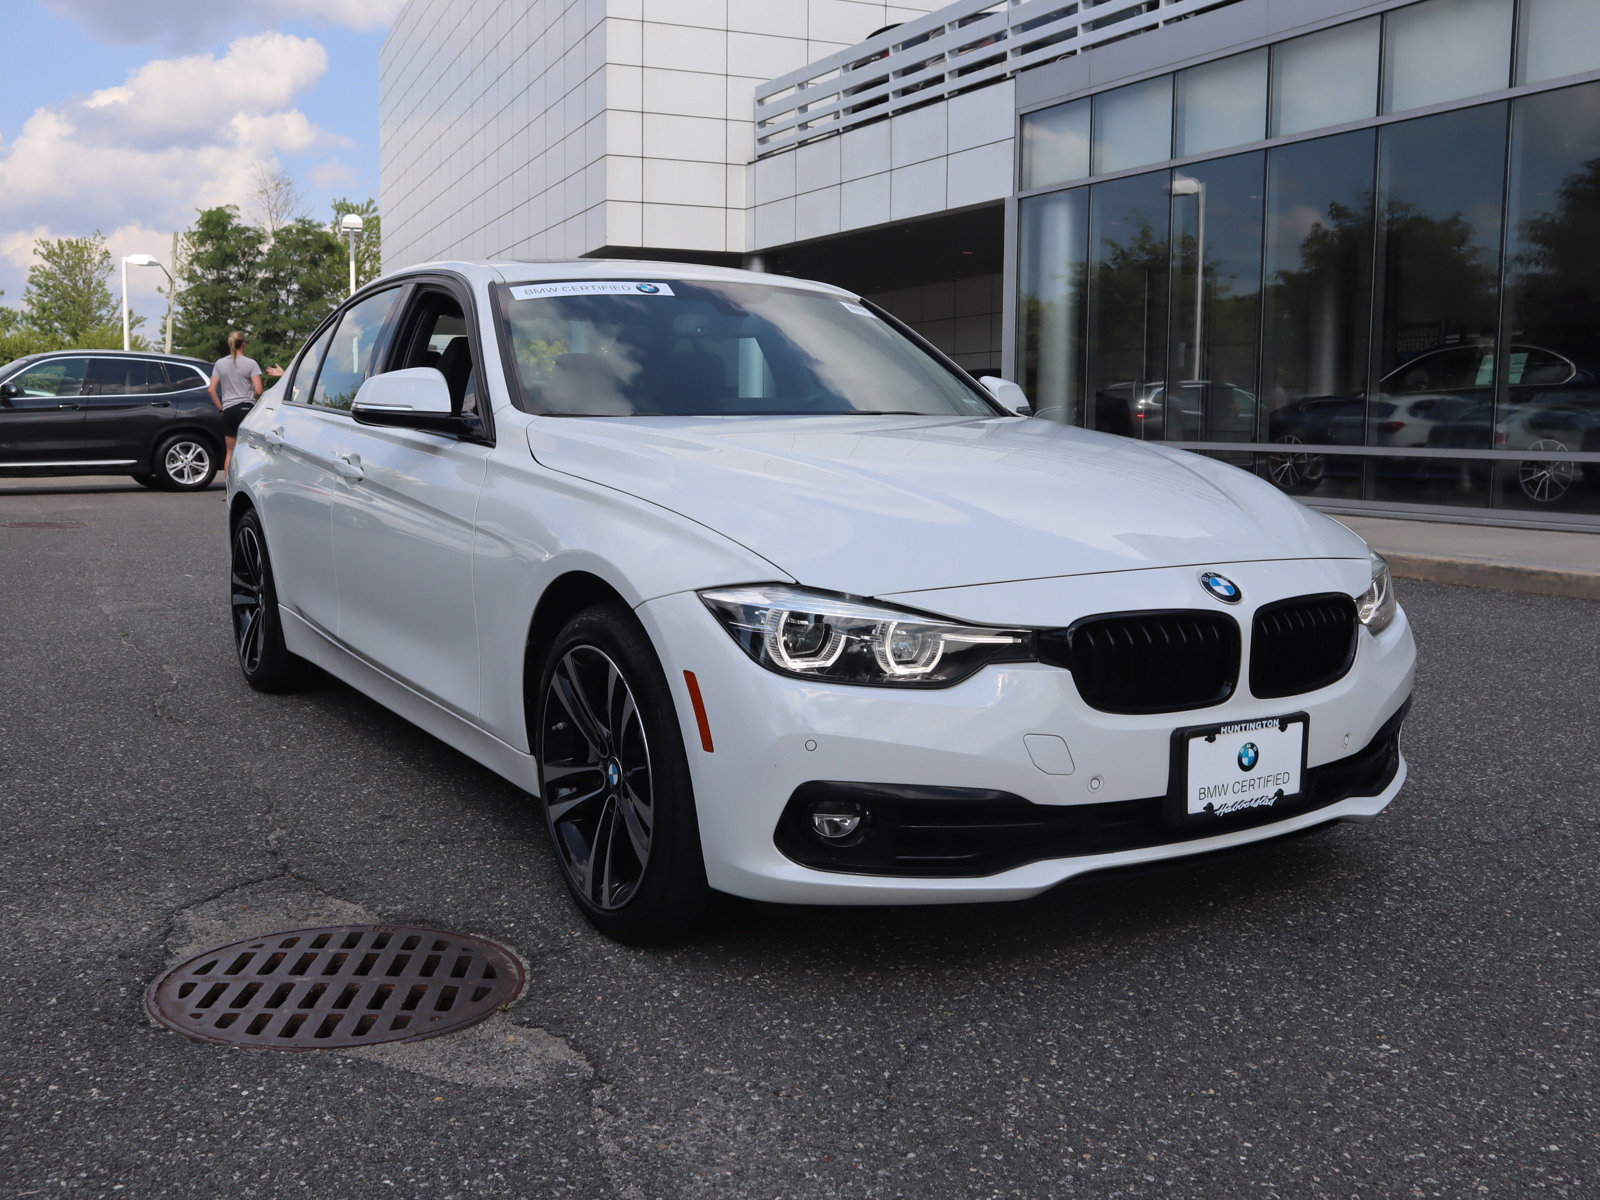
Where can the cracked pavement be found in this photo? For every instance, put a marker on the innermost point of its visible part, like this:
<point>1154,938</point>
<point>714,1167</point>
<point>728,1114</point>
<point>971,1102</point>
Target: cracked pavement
<point>1410,1008</point>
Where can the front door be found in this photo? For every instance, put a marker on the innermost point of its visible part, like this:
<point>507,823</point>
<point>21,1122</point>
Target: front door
<point>42,424</point>
<point>403,522</point>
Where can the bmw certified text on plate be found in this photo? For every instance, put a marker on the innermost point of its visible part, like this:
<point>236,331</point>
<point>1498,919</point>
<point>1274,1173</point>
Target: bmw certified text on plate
<point>761,595</point>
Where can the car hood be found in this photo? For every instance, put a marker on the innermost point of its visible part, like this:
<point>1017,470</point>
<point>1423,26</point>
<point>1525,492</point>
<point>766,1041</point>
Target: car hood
<point>876,505</point>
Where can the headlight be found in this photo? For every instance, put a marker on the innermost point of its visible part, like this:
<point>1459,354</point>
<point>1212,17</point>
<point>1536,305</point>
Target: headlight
<point>812,635</point>
<point>1377,604</point>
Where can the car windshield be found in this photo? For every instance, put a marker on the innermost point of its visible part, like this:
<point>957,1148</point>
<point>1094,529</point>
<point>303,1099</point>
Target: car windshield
<point>678,348</point>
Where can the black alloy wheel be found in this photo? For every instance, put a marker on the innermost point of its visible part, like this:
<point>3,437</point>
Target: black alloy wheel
<point>185,462</point>
<point>267,664</point>
<point>1294,470</point>
<point>614,780</point>
<point>1547,481</point>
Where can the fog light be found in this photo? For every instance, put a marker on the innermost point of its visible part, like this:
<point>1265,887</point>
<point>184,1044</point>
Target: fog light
<point>836,821</point>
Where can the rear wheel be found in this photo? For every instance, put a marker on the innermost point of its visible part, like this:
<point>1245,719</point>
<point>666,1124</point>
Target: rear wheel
<point>267,664</point>
<point>185,463</point>
<point>1547,481</point>
<point>614,781</point>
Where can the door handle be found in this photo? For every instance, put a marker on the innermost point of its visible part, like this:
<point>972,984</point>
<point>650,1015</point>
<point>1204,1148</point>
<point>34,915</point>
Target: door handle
<point>273,437</point>
<point>69,406</point>
<point>349,467</point>
<point>161,404</point>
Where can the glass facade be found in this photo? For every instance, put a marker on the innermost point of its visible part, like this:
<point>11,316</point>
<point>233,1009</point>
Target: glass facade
<point>1405,313</point>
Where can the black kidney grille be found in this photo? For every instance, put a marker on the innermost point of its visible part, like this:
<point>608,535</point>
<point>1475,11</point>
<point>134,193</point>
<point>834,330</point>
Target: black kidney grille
<point>1148,662</point>
<point>1301,645</point>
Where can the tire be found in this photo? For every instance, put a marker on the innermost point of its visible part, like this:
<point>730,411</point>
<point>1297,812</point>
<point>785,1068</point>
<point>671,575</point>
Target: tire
<point>1292,470</point>
<point>185,462</point>
<point>149,481</point>
<point>614,782</point>
<point>267,664</point>
<point>1546,482</point>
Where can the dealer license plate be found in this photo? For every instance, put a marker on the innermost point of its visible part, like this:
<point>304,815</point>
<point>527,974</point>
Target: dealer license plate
<point>1241,767</point>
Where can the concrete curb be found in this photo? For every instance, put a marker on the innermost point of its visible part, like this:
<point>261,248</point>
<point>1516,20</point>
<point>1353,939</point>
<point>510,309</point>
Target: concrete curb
<point>1499,576</point>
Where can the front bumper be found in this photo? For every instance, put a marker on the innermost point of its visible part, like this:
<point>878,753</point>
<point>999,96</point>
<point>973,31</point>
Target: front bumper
<point>772,736</point>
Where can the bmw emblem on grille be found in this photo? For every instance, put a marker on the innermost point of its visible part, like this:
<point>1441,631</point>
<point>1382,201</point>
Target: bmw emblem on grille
<point>1221,587</point>
<point>1249,755</point>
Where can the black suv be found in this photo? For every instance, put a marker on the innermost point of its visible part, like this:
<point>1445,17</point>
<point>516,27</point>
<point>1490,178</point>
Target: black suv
<point>105,412</point>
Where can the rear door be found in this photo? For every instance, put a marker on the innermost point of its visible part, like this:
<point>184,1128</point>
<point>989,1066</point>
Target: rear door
<point>403,518</point>
<point>124,407</point>
<point>43,424</point>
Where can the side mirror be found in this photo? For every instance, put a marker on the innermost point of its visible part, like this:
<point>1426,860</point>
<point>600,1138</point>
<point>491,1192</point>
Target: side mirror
<point>416,398</point>
<point>1010,395</point>
<point>8,393</point>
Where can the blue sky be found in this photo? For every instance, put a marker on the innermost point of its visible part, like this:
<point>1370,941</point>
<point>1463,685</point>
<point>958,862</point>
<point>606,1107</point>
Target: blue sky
<point>127,115</point>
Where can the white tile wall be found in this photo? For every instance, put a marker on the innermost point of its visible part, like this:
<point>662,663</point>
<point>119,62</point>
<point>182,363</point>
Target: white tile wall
<point>549,128</point>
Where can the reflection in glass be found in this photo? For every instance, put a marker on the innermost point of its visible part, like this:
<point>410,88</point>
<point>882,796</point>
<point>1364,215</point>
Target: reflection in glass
<point>1216,237</point>
<point>1053,231</point>
<point>350,352</point>
<point>1445,49</point>
<point>1317,303</point>
<point>1557,38</point>
<point>1127,334</point>
<point>1326,78</point>
<point>1133,125</point>
<point>1438,288</point>
<point>1552,303</point>
<point>1055,145</point>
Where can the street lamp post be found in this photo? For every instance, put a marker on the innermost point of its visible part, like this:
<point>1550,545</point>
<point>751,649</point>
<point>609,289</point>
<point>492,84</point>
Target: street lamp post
<point>350,226</point>
<point>145,260</point>
<point>1185,185</point>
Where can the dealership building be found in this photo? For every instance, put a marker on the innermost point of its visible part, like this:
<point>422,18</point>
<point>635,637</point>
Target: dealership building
<point>1348,244</point>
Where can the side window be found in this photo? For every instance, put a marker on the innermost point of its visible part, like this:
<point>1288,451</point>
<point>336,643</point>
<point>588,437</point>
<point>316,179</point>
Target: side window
<point>352,351</point>
<point>57,377</point>
<point>124,377</point>
<point>305,374</point>
<point>183,379</point>
<point>437,337</point>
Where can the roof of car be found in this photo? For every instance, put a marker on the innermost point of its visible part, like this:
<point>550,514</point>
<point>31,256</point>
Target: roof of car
<point>510,271</point>
<point>147,355</point>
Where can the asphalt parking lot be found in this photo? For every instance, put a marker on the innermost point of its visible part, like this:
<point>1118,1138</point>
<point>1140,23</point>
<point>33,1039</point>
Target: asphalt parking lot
<point>1410,1008</point>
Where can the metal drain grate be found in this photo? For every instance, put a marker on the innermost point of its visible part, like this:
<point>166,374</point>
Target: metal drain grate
<point>343,985</point>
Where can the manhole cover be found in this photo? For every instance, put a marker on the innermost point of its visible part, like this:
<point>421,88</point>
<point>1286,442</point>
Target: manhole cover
<point>44,524</point>
<point>343,985</point>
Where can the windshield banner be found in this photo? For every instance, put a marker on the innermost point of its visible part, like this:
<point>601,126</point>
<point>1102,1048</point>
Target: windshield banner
<point>542,291</point>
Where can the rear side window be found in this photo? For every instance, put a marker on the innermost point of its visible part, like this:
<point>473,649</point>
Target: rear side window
<point>124,377</point>
<point>181,378</point>
<point>353,350</point>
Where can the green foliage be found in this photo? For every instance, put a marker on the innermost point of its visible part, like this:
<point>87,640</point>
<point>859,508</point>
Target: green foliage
<point>68,304</point>
<point>369,250</point>
<point>299,280</point>
<point>221,258</point>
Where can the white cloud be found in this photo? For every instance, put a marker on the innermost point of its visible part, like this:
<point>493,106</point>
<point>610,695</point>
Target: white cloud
<point>184,22</point>
<point>179,134</point>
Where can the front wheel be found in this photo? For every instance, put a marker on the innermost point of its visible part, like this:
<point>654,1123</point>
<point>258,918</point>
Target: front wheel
<point>614,781</point>
<point>185,463</point>
<point>267,664</point>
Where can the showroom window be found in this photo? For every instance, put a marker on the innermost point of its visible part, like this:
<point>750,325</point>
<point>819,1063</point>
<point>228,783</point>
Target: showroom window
<point>1050,322</point>
<point>1557,38</point>
<point>1222,104</point>
<point>1055,145</point>
<point>1326,78</point>
<point>1133,126</point>
<point>1128,269</point>
<point>1444,50</point>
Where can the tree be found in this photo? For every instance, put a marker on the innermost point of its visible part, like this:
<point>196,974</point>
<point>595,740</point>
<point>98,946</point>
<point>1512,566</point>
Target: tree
<point>369,250</point>
<point>277,198</point>
<point>220,262</point>
<point>68,303</point>
<point>16,339</point>
<point>300,279</point>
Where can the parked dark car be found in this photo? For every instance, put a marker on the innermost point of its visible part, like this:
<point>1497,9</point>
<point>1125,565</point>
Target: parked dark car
<point>105,412</point>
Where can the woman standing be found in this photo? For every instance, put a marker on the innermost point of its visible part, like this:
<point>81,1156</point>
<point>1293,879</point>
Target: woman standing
<point>235,387</point>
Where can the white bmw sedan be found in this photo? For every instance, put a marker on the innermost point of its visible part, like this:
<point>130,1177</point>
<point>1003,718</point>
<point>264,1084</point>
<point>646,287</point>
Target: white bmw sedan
<point>760,594</point>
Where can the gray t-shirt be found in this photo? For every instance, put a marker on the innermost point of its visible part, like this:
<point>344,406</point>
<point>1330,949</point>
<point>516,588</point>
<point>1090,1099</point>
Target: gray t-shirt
<point>233,380</point>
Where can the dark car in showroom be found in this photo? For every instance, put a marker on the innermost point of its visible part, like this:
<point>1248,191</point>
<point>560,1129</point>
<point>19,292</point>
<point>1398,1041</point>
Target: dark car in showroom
<point>111,412</point>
